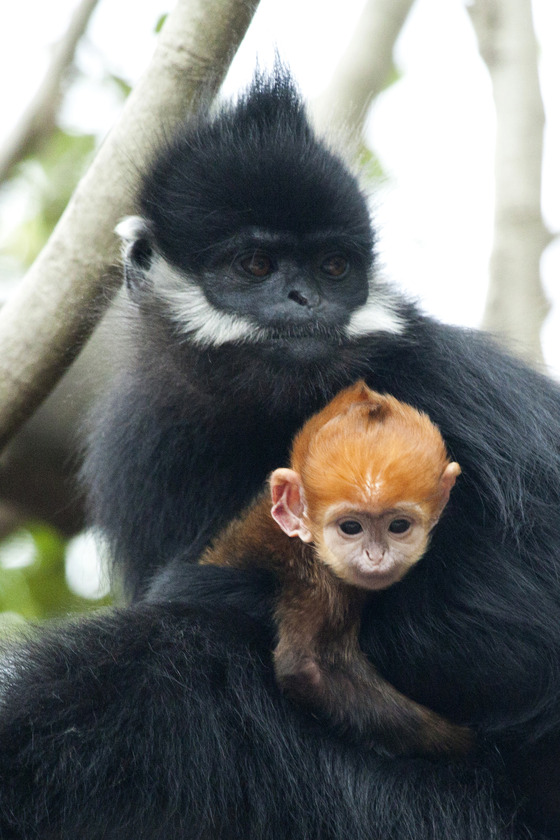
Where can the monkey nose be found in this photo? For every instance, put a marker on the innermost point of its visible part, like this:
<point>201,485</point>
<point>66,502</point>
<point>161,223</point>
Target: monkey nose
<point>298,297</point>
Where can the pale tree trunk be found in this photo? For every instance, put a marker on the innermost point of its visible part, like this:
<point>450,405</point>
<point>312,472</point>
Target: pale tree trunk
<point>516,305</point>
<point>54,309</point>
<point>363,70</point>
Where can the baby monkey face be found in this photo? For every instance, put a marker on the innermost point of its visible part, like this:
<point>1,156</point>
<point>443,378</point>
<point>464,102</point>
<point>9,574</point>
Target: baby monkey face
<point>373,550</point>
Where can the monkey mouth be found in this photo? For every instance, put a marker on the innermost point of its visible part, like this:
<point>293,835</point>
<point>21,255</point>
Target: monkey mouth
<point>316,331</point>
<point>310,342</point>
<point>308,348</point>
<point>374,576</point>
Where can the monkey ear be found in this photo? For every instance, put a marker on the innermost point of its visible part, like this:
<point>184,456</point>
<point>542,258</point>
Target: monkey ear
<point>446,483</point>
<point>138,251</point>
<point>288,503</point>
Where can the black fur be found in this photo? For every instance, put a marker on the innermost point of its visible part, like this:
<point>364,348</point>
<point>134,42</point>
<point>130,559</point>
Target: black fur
<point>255,165</point>
<point>162,720</point>
<point>189,434</point>
<point>165,723</point>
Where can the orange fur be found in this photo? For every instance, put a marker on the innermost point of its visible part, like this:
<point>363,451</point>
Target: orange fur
<point>317,659</point>
<point>370,450</point>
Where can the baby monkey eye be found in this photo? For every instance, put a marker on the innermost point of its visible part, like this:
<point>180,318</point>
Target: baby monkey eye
<point>335,265</point>
<point>257,264</point>
<point>350,527</point>
<point>399,526</point>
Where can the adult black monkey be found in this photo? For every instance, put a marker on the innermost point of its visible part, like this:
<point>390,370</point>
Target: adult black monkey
<point>254,301</point>
<point>248,273</point>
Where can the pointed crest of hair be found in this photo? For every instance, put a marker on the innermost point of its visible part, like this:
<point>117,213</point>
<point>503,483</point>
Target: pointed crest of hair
<point>253,163</point>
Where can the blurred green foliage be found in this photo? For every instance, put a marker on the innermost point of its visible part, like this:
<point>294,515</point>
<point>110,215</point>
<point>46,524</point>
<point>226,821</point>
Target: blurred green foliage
<point>47,180</point>
<point>38,588</point>
<point>33,582</point>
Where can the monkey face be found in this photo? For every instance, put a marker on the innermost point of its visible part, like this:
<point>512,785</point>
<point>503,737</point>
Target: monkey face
<point>373,550</point>
<point>288,287</point>
<point>254,232</point>
<point>288,294</point>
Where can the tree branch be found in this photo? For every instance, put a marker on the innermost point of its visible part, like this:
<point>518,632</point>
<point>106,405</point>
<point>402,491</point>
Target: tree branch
<point>363,70</point>
<point>39,118</point>
<point>48,318</point>
<point>516,305</point>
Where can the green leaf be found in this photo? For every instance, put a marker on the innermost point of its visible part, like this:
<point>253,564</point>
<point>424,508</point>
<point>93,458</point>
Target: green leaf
<point>159,24</point>
<point>369,163</point>
<point>393,77</point>
<point>122,85</point>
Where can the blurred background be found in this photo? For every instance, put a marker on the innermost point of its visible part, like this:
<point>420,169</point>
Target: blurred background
<point>440,144</point>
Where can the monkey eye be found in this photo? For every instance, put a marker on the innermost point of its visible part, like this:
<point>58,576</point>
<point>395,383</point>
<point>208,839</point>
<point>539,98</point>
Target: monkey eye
<point>257,264</point>
<point>399,526</point>
<point>350,527</point>
<point>335,265</point>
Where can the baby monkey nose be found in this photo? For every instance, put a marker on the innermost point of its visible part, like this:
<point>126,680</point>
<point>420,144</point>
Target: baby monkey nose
<point>375,557</point>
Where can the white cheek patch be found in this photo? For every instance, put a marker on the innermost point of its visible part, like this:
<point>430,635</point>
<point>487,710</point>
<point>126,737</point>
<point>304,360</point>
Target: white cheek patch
<point>191,312</point>
<point>207,326</point>
<point>378,314</point>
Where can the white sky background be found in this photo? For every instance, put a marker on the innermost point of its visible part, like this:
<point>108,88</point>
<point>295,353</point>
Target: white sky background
<point>433,130</point>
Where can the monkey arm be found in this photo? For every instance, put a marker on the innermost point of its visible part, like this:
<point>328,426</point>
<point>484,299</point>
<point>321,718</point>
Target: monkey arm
<point>319,664</point>
<point>317,660</point>
<point>251,541</point>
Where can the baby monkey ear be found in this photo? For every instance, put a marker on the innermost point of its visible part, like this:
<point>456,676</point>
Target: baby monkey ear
<point>446,484</point>
<point>288,503</point>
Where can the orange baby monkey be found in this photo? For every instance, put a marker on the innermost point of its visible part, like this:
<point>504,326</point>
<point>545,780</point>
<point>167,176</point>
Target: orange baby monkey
<point>368,481</point>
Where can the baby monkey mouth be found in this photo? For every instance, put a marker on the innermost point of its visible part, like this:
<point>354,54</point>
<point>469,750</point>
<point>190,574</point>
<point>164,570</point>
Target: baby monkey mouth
<point>375,574</point>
